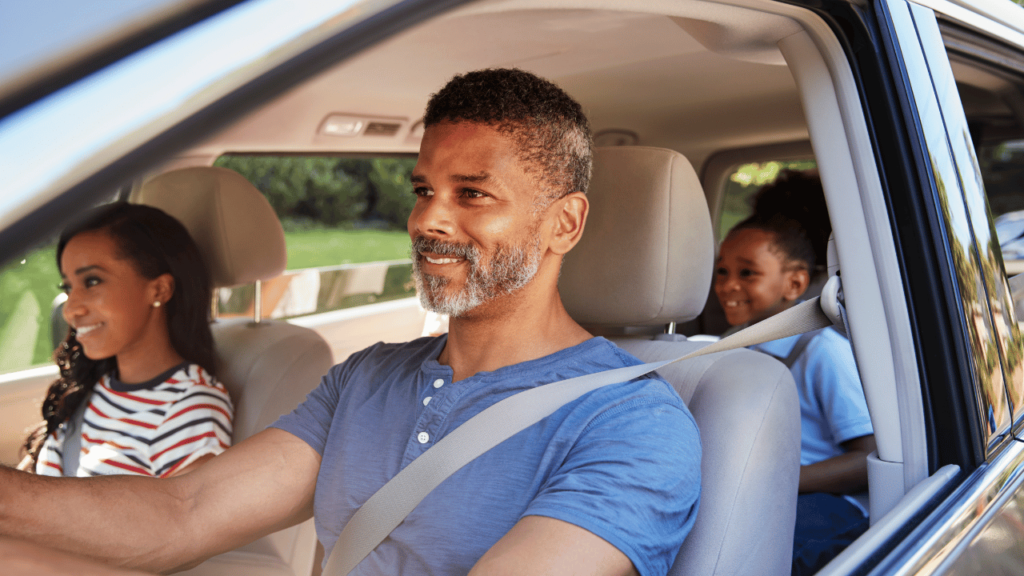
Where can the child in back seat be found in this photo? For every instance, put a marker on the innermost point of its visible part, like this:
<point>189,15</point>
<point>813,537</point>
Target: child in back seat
<point>763,268</point>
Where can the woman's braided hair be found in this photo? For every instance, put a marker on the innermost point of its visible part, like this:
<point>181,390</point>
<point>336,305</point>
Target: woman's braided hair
<point>155,243</point>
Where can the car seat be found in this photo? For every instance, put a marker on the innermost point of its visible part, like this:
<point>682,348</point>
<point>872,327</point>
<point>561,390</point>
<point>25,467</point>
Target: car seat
<point>644,261</point>
<point>267,367</point>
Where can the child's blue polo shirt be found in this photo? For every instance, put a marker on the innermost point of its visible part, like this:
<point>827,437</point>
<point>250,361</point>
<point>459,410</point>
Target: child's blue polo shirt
<point>832,405</point>
<point>622,462</point>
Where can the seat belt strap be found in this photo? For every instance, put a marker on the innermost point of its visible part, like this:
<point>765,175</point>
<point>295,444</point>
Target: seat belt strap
<point>72,448</point>
<point>389,506</point>
<point>798,349</point>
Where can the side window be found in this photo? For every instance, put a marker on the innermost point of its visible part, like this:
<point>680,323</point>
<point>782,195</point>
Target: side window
<point>1002,170</point>
<point>979,100</point>
<point>28,289</point>
<point>344,224</point>
<point>744,182</point>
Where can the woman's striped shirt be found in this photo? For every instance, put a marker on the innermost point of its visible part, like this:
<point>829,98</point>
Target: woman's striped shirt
<point>149,429</point>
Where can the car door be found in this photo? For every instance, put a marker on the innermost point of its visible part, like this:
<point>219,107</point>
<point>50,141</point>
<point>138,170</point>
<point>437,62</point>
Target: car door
<point>983,404</point>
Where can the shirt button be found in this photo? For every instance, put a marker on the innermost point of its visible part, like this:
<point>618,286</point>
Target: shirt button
<point>426,400</point>
<point>438,383</point>
<point>423,437</point>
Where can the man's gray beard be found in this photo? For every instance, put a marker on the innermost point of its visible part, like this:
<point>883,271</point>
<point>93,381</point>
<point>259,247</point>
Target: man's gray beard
<point>511,268</point>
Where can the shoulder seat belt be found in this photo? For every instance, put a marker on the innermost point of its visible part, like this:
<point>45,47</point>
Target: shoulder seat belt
<point>798,349</point>
<point>72,448</point>
<point>389,506</point>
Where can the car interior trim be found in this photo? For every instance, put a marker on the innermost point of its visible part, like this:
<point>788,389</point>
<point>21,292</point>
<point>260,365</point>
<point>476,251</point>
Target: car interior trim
<point>892,316</point>
<point>940,537</point>
<point>346,314</point>
<point>861,284</point>
<point>753,30</point>
<point>900,516</point>
<point>996,534</point>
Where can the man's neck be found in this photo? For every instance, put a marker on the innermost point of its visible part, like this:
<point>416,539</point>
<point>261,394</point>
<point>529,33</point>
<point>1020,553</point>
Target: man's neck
<point>510,331</point>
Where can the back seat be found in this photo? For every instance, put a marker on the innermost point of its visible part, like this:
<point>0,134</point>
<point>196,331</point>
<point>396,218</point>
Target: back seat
<point>646,260</point>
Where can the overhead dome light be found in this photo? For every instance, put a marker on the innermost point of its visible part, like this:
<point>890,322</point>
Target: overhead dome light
<point>341,125</point>
<point>352,125</point>
<point>616,137</point>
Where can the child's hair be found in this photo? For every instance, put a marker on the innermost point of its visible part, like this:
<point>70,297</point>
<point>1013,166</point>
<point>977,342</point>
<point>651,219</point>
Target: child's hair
<point>792,209</point>
<point>155,243</point>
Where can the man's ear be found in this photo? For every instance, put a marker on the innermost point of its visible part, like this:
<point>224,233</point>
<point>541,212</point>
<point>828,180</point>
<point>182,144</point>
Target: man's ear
<point>163,288</point>
<point>568,216</point>
<point>796,282</point>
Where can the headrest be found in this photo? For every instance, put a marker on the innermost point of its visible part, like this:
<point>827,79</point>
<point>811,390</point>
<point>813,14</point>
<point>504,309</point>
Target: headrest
<point>234,226</point>
<point>647,251</point>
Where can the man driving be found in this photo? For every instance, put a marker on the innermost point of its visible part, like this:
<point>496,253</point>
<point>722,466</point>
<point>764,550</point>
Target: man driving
<point>608,484</point>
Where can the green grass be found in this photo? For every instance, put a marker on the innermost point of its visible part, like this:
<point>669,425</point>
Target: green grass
<point>325,247</point>
<point>27,288</point>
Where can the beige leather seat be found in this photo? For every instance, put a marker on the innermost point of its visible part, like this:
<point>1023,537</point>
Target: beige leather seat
<point>645,260</point>
<point>269,367</point>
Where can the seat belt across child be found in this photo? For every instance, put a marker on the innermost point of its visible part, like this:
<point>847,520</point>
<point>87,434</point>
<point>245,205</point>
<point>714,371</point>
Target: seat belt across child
<point>389,506</point>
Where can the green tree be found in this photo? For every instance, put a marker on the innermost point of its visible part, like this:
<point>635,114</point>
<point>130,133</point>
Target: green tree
<point>319,189</point>
<point>328,191</point>
<point>391,179</point>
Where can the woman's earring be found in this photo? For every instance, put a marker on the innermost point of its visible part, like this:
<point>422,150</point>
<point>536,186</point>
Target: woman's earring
<point>156,304</point>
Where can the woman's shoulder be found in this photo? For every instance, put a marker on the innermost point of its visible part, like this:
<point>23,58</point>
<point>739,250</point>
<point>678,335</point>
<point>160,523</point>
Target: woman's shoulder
<point>190,379</point>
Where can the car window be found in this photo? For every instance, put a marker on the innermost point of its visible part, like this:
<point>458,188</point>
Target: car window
<point>984,138</point>
<point>29,288</point>
<point>344,223</point>
<point>743,183</point>
<point>1002,169</point>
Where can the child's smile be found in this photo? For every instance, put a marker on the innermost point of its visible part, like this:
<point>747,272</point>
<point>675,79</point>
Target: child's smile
<point>752,280</point>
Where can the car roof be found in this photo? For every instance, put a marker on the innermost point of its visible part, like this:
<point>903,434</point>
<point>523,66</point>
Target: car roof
<point>672,80</point>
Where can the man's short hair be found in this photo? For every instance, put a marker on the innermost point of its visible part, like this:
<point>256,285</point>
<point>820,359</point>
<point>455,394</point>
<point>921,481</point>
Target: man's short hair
<point>548,127</point>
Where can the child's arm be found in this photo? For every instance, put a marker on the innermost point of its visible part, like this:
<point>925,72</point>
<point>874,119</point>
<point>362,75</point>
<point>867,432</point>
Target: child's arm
<point>843,474</point>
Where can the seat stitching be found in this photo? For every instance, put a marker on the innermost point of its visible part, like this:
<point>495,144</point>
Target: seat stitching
<point>743,474</point>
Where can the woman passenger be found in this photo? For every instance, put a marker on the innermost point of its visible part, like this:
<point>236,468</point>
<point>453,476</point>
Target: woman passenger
<point>136,369</point>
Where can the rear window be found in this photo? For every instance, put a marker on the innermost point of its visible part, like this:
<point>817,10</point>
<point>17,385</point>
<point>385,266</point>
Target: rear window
<point>344,223</point>
<point>744,182</point>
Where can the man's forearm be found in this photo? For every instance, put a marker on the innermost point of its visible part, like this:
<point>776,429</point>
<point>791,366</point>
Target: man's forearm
<point>20,558</point>
<point>163,525</point>
<point>110,518</point>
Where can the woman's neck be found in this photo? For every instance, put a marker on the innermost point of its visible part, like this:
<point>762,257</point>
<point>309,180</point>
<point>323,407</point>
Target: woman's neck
<point>137,368</point>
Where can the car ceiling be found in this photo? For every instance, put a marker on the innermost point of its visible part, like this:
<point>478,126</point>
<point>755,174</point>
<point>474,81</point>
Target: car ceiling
<point>640,72</point>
